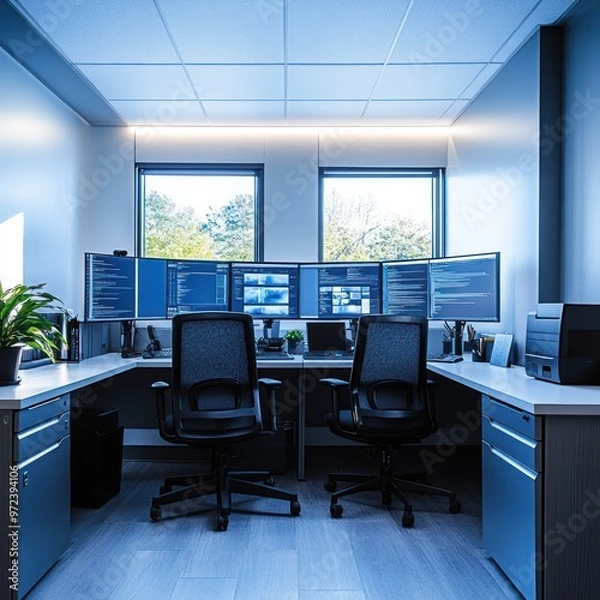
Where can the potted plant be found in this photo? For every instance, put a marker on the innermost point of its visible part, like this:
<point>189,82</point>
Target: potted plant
<point>293,337</point>
<point>22,323</point>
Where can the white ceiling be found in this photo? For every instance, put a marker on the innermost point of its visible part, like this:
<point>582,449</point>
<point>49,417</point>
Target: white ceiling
<point>288,62</point>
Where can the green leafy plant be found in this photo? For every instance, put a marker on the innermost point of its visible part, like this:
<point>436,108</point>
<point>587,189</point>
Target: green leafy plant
<point>22,320</point>
<point>294,335</point>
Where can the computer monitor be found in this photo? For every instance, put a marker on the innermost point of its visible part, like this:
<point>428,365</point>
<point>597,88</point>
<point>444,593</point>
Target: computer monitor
<point>265,290</point>
<point>405,287</point>
<point>110,287</point>
<point>465,288</point>
<point>197,285</point>
<point>339,290</point>
<point>124,288</point>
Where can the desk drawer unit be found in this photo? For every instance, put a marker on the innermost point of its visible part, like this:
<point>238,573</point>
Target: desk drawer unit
<point>35,491</point>
<point>512,492</point>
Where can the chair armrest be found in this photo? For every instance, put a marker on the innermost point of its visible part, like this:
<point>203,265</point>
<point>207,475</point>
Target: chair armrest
<point>160,388</point>
<point>271,386</point>
<point>336,385</point>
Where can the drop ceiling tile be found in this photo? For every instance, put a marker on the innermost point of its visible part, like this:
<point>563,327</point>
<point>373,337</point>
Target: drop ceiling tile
<point>480,80</point>
<point>335,112</point>
<point>421,81</point>
<point>139,82</point>
<point>545,13</point>
<point>160,113</point>
<point>244,112</point>
<point>406,112</point>
<point>238,82</point>
<point>236,31</point>
<point>352,31</point>
<point>453,112</point>
<point>331,82</point>
<point>119,31</point>
<point>458,31</point>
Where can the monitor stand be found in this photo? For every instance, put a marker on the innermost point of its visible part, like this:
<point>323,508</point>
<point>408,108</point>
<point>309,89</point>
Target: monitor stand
<point>270,328</point>
<point>127,331</point>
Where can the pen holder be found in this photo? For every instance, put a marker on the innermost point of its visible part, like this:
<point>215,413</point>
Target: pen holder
<point>446,347</point>
<point>482,348</point>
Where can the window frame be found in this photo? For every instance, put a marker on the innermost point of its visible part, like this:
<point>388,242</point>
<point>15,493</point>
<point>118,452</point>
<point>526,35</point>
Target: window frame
<point>438,175</point>
<point>257,170</point>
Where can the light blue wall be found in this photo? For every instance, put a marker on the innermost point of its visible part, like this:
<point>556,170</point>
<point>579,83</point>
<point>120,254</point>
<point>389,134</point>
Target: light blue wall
<point>43,154</point>
<point>580,127</point>
<point>492,185</point>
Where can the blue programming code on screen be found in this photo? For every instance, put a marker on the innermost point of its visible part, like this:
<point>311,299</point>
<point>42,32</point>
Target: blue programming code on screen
<point>110,287</point>
<point>194,285</point>
<point>465,288</point>
<point>405,288</point>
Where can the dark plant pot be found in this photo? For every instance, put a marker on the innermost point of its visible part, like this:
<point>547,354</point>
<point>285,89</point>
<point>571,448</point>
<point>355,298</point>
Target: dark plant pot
<point>10,359</point>
<point>294,347</point>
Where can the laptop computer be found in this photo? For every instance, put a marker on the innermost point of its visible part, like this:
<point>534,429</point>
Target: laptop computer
<point>326,339</point>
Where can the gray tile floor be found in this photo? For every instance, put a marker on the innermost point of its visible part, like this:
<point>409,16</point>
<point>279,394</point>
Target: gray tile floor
<point>116,552</point>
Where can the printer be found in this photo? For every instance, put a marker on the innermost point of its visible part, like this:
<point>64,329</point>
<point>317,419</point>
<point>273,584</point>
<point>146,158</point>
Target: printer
<point>563,343</point>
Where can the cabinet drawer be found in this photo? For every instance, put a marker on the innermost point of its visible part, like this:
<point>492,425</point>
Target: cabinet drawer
<point>34,415</point>
<point>519,420</point>
<point>31,441</point>
<point>524,449</point>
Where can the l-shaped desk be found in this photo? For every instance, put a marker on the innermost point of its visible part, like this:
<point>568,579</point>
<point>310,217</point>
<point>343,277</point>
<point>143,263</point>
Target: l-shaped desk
<point>540,480</point>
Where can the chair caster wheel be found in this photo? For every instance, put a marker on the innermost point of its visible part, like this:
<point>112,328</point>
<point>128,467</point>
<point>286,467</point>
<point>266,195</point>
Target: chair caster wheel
<point>165,489</point>
<point>155,513</point>
<point>408,519</point>
<point>330,486</point>
<point>455,507</point>
<point>222,523</point>
<point>270,481</point>
<point>295,508</point>
<point>336,510</point>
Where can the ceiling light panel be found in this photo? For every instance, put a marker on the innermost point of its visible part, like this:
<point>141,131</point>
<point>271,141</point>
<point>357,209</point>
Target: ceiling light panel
<point>119,31</point>
<point>236,31</point>
<point>352,31</point>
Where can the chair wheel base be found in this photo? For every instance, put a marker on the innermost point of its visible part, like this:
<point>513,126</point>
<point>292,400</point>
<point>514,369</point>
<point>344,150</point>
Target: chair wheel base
<point>455,506</point>
<point>336,510</point>
<point>155,513</point>
<point>222,523</point>
<point>408,519</point>
<point>295,508</point>
<point>330,486</point>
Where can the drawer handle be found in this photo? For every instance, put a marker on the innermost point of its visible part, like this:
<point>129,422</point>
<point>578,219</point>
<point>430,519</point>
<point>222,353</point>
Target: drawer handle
<point>513,463</point>
<point>525,418</point>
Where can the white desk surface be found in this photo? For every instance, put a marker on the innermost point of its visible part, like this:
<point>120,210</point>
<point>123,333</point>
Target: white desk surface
<point>513,386</point>
<point>510,385</point>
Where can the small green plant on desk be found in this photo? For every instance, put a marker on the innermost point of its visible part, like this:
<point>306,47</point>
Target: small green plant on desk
<point>294,337</point>
<point>23,323</point>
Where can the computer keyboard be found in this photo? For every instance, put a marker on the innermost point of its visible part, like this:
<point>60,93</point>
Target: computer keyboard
<point>327,354</point>
<point>439,357</point>
<point>163,353</point>
<point>272,355</point>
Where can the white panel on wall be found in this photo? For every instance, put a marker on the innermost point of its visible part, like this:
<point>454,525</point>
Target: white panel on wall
<point>291,195</point>
<point>43,149</point>
<point>383,147</point>
<point>200,145</point>
<point>12,250</point>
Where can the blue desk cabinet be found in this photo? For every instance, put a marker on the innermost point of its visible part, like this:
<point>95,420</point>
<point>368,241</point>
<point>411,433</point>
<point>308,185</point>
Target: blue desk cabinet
<point>34,492</point>
<point>541,500</point>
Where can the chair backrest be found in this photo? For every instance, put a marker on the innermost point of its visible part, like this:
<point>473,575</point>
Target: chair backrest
<point>389,372</point>
<point>214,374</point>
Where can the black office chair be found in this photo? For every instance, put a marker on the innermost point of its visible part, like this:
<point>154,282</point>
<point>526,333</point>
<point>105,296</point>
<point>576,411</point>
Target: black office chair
<point>214,402</point>
<point>391,404</point>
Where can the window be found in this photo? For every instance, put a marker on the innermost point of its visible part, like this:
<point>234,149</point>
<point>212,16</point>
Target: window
<point>380,214</point>
<point>200,212</point>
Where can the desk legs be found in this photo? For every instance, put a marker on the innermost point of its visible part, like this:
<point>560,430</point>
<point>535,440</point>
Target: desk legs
<point>301,428</point>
